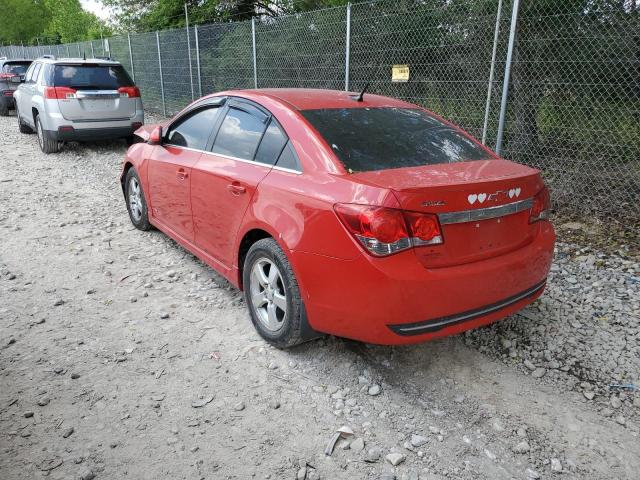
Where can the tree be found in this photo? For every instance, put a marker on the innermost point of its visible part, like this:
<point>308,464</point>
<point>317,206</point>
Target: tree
<point>22,20</point>
<point>70,23</point>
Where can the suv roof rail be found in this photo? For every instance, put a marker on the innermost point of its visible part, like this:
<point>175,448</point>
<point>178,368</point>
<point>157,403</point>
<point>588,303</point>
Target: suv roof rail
<point>3,58</point>
<point>50,57</point>
<point>104,58</point>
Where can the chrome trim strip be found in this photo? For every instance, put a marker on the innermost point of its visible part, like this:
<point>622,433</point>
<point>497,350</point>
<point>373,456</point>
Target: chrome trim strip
<point>274,167</point>
<point>430,326</point>
<point>485,213</point>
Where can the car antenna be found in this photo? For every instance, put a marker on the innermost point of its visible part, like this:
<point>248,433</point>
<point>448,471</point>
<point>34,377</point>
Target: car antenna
<point>360,97</point>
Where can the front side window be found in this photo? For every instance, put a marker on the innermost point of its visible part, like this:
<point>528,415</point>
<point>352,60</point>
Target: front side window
<point>366,139</point>
<point>91,76</point>
<point>193,131</point>
<point>240,134</point>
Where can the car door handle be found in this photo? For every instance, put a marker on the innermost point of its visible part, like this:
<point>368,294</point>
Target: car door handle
<point>181,174</point>
<point>236,188</point>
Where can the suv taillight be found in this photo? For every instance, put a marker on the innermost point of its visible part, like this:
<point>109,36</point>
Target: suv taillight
<point>60,93</point>
<point>384,231</point>
<point>541,208</point>
<point>129,92</point>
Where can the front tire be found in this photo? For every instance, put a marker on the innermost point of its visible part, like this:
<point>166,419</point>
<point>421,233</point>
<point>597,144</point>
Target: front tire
<point>47,144</point>
<point>22,127</point>
<point>136,203</point>
<point>273,297</point>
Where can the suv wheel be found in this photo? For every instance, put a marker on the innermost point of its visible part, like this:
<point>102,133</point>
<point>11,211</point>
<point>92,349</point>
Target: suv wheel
<point>47,144</point>
<point>4,107</point>
<point>136,204</point>
<point>273,297</point>
<point>23,127</point>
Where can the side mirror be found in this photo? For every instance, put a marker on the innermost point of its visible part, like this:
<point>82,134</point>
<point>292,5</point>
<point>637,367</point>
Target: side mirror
<point>155,137</point>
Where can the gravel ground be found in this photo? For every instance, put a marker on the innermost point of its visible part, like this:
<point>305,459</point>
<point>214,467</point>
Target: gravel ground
<point>123,356</point>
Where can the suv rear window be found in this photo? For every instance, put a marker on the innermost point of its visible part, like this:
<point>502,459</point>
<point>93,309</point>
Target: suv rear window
<point>17,68</point>
<point>88,76</point>
<point>366,139</point>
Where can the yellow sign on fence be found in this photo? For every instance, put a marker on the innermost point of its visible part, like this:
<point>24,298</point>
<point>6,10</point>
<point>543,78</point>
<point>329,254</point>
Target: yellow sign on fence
<point>400,73</point>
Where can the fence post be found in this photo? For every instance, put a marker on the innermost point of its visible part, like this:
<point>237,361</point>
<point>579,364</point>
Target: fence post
<point>496,34</point>
<point>255,62</point>
<point>507,75</point>
<point>198,60</point>
<point>347,53</point>
<point>164,105</point>
<point>93,55</point>
<point>68,54</point>
<point>186,16</point>
<point>133,73</point>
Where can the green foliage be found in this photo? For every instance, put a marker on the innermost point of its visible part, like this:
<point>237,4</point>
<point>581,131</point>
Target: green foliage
<point>22,20</point>
<point>48,21</point>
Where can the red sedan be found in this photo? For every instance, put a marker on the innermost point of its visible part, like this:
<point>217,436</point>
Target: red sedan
<point>359,216</point>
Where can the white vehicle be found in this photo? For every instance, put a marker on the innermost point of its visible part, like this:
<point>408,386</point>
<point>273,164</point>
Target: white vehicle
<point>76,99</point>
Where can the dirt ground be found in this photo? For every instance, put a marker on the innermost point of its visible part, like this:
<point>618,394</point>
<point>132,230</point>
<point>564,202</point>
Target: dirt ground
<point>123,356</point>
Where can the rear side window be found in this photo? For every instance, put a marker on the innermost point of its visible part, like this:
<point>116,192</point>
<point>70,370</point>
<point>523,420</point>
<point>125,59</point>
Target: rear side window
<point>35,72</point>
<point>240,134</point>
<point>91,76</point>
<point>288,159</point>
<point>366,139</point>
<point>194,130</point>
<point>17,68</point>
<point>273,141</point>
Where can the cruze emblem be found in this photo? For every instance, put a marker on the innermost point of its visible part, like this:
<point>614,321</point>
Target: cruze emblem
<point>493,197</point>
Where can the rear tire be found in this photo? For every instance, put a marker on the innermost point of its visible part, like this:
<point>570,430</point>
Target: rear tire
<point>136,203</point>
<point>273,297</point>
<point>23,127</point>
<point>47,144</point>
<point>4,107</point>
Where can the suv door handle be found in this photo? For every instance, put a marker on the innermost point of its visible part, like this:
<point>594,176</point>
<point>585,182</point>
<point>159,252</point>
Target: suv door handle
<point>236,188</point>
<point>181,174</point>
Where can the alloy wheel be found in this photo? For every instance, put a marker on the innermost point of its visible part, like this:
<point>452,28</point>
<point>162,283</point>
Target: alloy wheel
<point>135,199</point>
<point>268,296</point>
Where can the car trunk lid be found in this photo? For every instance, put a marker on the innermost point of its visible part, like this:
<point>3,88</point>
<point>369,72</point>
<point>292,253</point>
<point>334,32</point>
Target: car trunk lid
<point>94,92</point>
<point>483,206</point>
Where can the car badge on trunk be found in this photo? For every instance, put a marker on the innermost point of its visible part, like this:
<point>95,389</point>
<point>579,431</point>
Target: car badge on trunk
<point>493,197</point>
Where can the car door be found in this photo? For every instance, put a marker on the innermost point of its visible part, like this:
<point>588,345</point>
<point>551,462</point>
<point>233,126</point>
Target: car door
<point>225,179</point>
<point>170,166</point>
<point>27,89</point>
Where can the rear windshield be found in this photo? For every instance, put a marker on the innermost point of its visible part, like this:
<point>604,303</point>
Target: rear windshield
<point>367,139</point>
<point>87,76</point>
<point>17,68</point>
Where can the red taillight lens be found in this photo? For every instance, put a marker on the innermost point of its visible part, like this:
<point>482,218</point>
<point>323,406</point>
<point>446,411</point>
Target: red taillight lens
<point>541,209</point>
<point>59,93</point>
<point>8,93</point>
<point>129,92</point>
<point>424,228</point>
<point>383,231</point>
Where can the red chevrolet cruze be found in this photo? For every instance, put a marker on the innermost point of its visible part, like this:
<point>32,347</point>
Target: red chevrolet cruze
<point>359,216</point>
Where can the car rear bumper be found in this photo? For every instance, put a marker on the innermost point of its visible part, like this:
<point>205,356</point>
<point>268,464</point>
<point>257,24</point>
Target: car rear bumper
<point>395,300</point>
<point>88,134</point>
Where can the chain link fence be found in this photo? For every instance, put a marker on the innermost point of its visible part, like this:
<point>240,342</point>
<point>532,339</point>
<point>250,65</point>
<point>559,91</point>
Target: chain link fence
<point>570,104</point>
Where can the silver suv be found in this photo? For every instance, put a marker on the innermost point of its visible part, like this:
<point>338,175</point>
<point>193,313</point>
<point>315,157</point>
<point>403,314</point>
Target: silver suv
<point>11,74</point>
<point>76,99</point>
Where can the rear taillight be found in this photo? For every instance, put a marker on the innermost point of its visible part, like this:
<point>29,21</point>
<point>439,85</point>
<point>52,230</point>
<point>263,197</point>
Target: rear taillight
<point>59,93</point>
<point>129,92</point>
<point>541,209</point>
<point>383,231</point>
<point>7,75</point>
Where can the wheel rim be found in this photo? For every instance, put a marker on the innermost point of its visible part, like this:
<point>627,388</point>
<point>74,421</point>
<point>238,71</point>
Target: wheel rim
<point>267,294</point>
<point>135,199</point>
